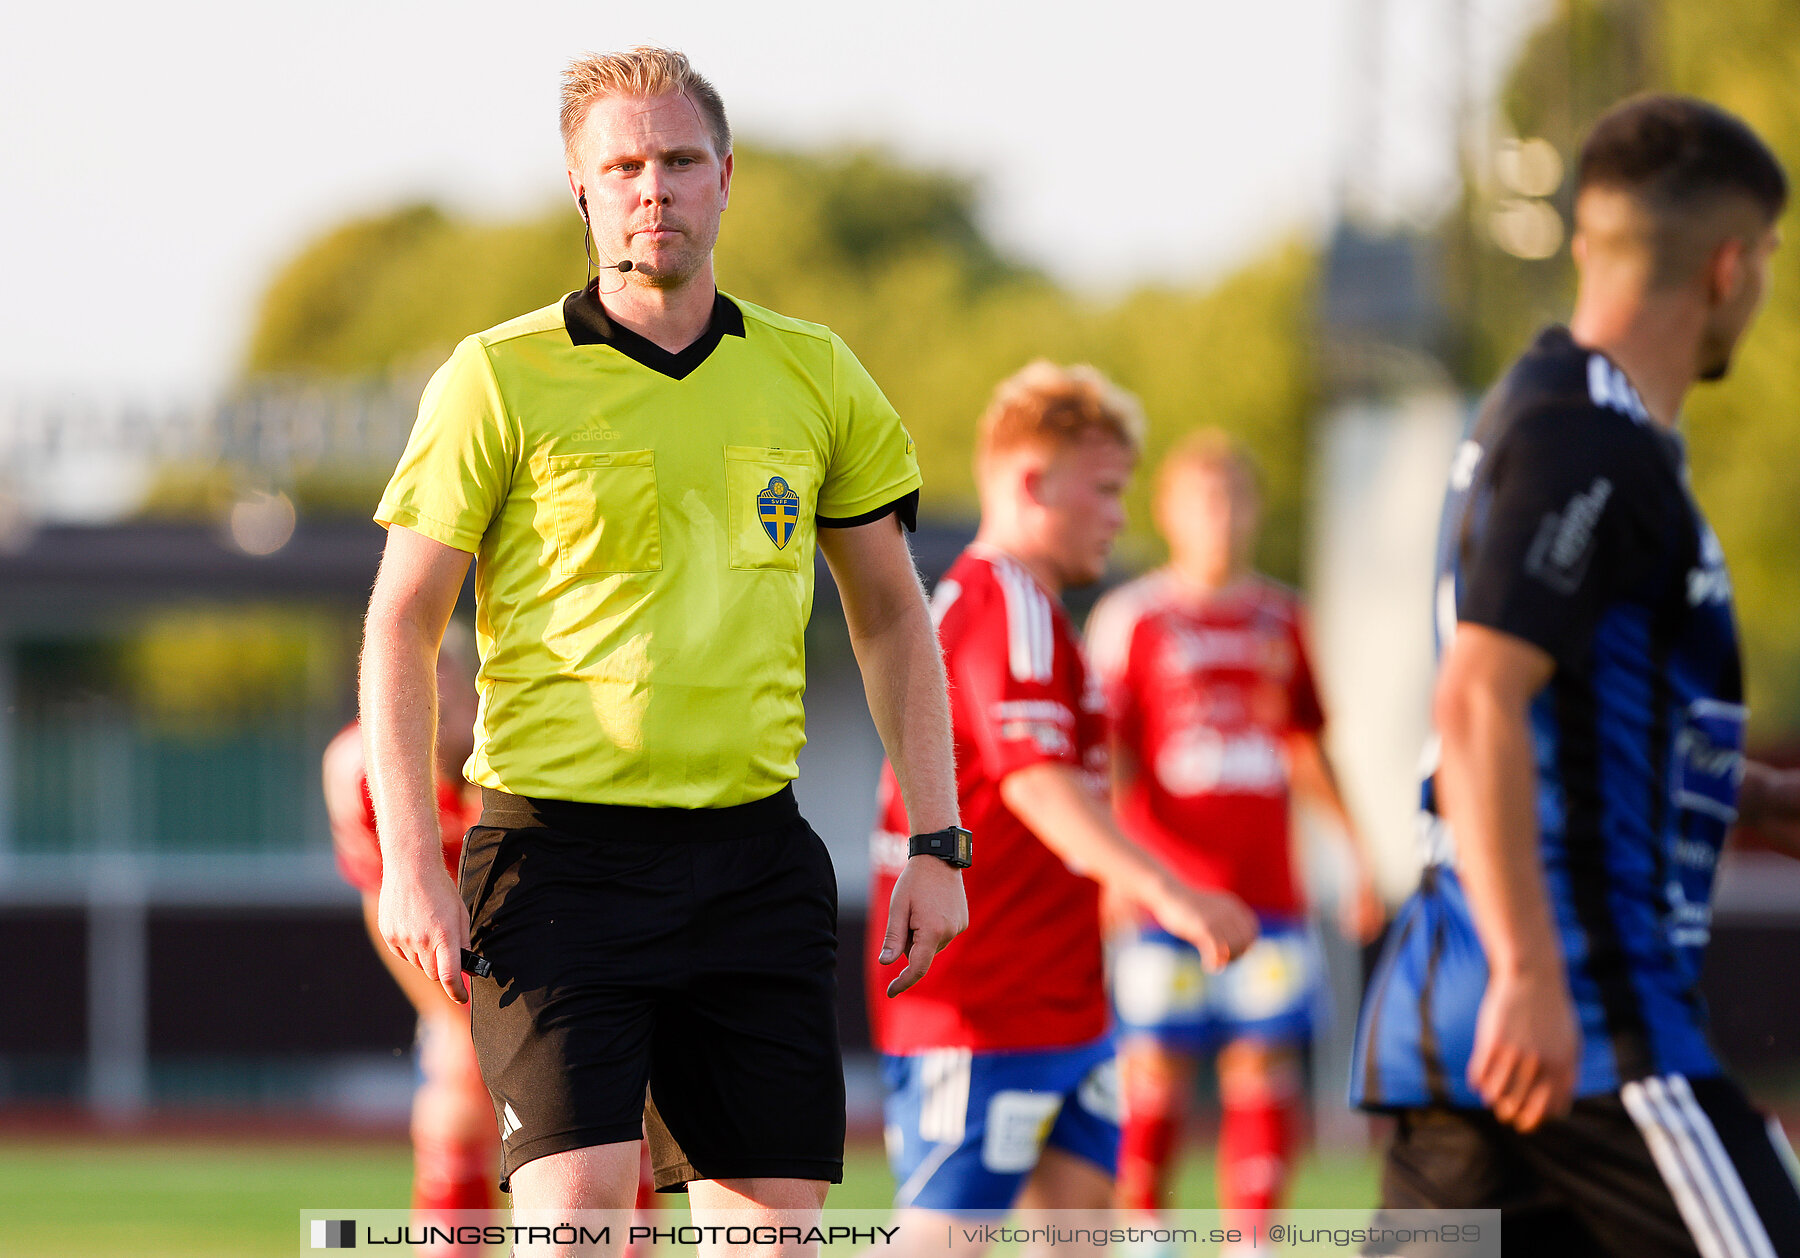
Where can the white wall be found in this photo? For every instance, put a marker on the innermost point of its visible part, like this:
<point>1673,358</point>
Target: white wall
<point>1379,487</point>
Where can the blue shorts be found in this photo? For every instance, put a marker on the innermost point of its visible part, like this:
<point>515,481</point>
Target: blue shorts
<point>1271,993</point>
<point>964,1129</point>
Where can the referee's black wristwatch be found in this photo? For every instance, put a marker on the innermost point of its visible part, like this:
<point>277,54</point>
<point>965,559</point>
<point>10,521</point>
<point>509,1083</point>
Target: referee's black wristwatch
<point>953,845</point>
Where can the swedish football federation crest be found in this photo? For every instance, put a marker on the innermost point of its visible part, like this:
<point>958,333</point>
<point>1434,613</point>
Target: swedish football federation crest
<point>778,507</point>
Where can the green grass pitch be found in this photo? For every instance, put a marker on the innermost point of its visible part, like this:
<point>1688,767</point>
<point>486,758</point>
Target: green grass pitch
<point>218,1199</point>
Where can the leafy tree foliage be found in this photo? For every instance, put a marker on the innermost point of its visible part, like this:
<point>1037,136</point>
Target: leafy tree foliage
<point>894,260</point>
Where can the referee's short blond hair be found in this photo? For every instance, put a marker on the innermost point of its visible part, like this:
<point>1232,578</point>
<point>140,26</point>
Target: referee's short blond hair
<point>642,71</point>
<point>1048,408</point>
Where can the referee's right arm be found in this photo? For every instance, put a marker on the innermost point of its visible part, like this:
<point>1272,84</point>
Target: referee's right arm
<point>422,918</point>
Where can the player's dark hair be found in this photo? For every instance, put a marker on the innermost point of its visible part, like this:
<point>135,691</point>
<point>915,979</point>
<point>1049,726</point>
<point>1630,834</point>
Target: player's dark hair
<point>1678,154</point>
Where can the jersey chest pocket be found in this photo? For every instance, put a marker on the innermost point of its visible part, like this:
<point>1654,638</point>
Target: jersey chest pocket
<point>605,510</point>
<point>769,499</point>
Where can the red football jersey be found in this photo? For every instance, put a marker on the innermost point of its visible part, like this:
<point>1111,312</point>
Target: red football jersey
<point>1027,973</point>
<point>358,850</point>
<point>1203,692</point>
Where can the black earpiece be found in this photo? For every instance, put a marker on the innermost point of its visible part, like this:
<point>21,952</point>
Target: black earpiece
<point>581,200</point>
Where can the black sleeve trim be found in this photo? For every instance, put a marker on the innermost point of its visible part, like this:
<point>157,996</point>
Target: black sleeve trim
<point>907,508</point>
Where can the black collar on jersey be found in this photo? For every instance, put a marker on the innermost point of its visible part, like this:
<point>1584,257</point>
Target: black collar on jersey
<point>1555,338</point>
<point>587,323</point>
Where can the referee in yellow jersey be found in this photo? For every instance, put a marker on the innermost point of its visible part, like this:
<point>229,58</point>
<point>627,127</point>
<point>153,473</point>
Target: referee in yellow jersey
<point>643,471</point>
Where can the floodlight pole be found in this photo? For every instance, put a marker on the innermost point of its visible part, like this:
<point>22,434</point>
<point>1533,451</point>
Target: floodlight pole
<point>118,960</point>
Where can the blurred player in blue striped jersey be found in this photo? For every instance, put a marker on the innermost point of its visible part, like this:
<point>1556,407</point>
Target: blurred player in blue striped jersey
<point>1535,1021</point>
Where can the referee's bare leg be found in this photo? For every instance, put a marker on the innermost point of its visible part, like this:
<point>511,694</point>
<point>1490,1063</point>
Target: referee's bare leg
<point>758,1203</point>
<point>604,1177</point>
<point>549,1190</point>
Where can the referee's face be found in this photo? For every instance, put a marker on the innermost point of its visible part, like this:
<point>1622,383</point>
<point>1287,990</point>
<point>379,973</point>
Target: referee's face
<point>655,186</point>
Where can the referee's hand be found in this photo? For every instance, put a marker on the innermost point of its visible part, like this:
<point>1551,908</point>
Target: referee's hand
<point>424,923</point>
<point>927,911</point>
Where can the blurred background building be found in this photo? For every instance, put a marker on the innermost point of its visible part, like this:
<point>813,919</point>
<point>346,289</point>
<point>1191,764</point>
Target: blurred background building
<point>181,583</point>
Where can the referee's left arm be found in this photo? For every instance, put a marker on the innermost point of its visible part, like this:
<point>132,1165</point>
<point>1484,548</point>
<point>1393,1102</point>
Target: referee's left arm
<point>903,676</point>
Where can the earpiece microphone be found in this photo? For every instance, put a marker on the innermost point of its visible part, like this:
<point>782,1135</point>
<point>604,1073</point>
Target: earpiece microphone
<point>588,237</point>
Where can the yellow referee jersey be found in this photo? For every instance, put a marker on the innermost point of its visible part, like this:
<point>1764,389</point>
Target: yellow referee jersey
<point>644,526</point>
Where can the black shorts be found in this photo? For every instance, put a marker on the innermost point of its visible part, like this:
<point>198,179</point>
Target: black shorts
<point>1668,1166</point>
<point>690,952</point>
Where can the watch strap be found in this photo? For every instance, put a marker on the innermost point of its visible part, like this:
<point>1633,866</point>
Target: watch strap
<point>953,845</point>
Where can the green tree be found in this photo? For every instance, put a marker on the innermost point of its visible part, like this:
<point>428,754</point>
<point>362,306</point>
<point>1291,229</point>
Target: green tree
<point>893,259</point>
<point>400,289</point>
<point>1745,56</point>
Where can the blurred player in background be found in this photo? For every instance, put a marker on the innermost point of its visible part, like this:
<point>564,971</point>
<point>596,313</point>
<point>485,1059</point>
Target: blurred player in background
<point>1215,717</point>
<point>1535,1022</point>
<point>999,1063</point>
<point>456,1146</point>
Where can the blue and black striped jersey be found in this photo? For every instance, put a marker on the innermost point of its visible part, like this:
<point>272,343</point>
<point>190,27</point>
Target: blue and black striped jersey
<point>1569,524</point>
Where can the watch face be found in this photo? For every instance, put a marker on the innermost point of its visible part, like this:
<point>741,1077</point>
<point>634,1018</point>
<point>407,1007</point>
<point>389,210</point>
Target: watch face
<point>962,847</point>
<point>952,844</point>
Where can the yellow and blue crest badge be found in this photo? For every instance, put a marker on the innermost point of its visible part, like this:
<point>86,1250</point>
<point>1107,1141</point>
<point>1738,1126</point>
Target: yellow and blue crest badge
<point>778,507</point>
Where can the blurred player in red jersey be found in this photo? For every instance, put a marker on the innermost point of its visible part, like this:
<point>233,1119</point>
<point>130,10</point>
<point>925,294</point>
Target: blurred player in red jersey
<point>1215,717</point>
<point>456,1144</point>
<point>455,1139</point>
<point>999,1062</point>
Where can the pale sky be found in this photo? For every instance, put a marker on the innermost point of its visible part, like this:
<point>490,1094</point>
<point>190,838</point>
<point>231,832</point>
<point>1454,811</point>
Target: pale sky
<point>161,160</point>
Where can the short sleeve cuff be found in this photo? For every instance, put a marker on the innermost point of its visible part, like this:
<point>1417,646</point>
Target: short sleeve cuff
<point>906,507</point>
<point>1549,635</point>
<point>832,514</point>
<point>387,515</point>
